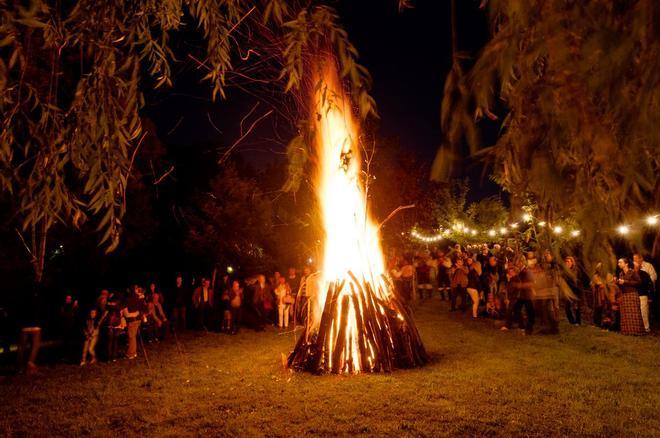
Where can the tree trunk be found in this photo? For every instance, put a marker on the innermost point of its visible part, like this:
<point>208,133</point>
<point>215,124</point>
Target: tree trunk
<point>39,235</point>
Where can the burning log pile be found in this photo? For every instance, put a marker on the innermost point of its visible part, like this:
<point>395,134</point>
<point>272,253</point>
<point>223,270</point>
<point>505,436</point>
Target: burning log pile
<point>355,320</point>
<point>383,330</point>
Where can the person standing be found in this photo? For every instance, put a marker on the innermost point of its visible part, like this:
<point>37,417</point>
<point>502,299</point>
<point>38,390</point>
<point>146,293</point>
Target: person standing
<point>511,294</point>
<point>91,333</point>
<point>235,305</point>
<point>474,286</point>
<point>631,314</point>
<point>433,264</point>
<point>115,326</point>
<point>572,304</point>
<point>645,291</point>
<point>303,295</point>
<point>178,301</point>
<point>284,300</point>
<point>159,324</point>
<point>521,287</point>
<point>459,282</point>
<point>444,277</point>
<point>494,277</point>
<point>262,299</point>
<point>599,299</point>
<point>653,299</point>
<point>546,290</point>
<point>646,267</point>
<point>68,320</point>
<point>202,300</point>
<point>407,278</point>
<point>133,312</point>
<point>29,341</point>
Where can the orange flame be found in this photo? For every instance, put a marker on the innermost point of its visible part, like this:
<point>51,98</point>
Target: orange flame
<point>352,242</point>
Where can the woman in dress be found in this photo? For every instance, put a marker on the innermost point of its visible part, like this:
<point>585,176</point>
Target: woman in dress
<point>631,315</point>
<point>572,304</point>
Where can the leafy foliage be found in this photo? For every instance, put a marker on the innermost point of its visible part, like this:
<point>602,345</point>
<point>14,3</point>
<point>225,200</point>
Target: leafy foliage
<point>70,85</point>
<point>580,127</point>
<point>232,223</point>
<point>450,206</point>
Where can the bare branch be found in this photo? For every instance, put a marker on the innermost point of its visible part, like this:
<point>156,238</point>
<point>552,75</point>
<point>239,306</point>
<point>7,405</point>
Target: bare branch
<point>396,210</point>
<point>163,176</point>
<point>208,116</point>
<point>228,151</point>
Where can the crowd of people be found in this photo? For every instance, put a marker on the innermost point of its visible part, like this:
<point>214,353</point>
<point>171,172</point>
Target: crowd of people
<point>526,288</point>
<point>523,290</point>
<point>151,314</point>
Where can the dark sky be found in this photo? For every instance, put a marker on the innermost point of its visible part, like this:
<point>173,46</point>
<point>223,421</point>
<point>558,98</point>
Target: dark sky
<point>408,54</point>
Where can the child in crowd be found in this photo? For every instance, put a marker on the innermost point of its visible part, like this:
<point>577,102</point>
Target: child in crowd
<point>91,332</point>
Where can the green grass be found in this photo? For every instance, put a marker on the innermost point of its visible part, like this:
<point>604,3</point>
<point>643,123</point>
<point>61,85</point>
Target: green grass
<point>481,382</point>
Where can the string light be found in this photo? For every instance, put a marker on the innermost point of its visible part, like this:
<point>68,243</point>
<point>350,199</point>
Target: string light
<point>458,228</point>
<point>623,229</point>
<point>423,238</point>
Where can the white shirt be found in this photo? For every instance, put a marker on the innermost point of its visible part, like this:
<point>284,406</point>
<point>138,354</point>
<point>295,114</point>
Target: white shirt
<point>649,269</point>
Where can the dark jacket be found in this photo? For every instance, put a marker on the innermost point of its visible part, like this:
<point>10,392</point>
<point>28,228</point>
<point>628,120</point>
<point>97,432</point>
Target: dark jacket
<point>631,282</point>
<point>459,277</point>
<point>474,280</point>
<point>524,282</point>
<point>198,296</point>
<point>645,288</point>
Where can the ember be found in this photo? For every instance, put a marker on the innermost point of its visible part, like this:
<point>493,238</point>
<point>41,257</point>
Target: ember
<point>356,322</point>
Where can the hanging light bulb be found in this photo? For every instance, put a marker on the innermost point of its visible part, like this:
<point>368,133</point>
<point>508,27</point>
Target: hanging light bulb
<point>623,229</point>
<point>557,229</point>
<point>652,220</point>
<point>527,217</point>
<point>575,233</point>
<point>491,233</point>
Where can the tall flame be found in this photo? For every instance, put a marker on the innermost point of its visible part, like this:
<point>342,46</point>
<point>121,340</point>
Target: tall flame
<point>351,238</point>
<point>355,321</point>
<point>352,242</point>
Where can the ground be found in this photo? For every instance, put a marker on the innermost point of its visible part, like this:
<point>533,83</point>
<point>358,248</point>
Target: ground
<point>481,382</point>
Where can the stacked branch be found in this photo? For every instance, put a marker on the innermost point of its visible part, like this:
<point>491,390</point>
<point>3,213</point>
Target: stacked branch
<point>359,332</point>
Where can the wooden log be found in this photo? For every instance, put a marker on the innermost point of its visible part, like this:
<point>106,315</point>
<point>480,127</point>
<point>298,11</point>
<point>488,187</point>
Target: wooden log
<point>340,338</point>
<point>384,332</point>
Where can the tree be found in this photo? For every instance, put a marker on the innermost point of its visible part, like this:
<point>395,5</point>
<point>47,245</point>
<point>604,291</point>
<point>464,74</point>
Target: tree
<point>71,81</point>
<point>465,221</point>
<point>231,224</point>
<point>580,92</point>
<point>399,179</point>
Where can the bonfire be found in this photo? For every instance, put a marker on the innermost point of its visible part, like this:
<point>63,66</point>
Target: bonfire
<point>356,322</point>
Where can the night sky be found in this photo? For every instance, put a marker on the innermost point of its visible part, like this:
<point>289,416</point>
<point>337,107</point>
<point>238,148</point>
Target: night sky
<point>408,54</point>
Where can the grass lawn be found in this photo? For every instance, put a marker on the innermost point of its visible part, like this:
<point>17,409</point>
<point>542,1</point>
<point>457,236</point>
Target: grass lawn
<point>481,382</point>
